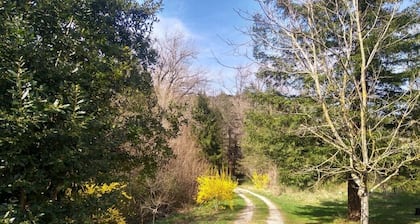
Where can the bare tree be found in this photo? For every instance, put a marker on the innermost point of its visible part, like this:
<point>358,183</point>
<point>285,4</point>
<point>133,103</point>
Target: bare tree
<point>175,78</point>
<point>339,50</point>
<point>174,75</point>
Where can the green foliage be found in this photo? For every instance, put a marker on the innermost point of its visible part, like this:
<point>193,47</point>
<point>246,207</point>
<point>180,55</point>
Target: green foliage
<point>29,168</point>
<point>76,103</point>
<point>231,129</point>
<point>325,29</point>
<point>207,129</point>
<point>274,128</point>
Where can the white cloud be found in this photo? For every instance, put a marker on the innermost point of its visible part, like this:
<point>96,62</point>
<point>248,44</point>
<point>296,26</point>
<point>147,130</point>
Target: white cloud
<point>168,25</point>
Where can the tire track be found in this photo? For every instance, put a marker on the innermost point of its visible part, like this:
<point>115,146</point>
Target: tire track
<point>274,214</point>
<point>246,215</point>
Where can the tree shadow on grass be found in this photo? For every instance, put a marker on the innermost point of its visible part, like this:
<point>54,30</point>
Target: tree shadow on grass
<point>325,212</point>
<point>398,208</point>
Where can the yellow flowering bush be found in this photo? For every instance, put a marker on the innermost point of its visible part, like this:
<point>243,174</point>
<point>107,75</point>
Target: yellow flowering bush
<point>112,215</point>
<point>217,186</point>
<point>89,189</point>
<point>98,192</point>
<point>260,181</point>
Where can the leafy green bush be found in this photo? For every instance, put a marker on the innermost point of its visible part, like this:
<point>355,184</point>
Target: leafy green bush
<point>75,105</point>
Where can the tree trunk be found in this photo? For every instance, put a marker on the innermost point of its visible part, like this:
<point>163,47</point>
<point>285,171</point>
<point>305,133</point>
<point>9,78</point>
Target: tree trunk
<point>23,199</point>
<point>364,196</point>
<point>353,200</point>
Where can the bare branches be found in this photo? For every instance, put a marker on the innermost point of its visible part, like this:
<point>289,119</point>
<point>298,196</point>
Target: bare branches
<point>174,75</point>
<point>336,47</point>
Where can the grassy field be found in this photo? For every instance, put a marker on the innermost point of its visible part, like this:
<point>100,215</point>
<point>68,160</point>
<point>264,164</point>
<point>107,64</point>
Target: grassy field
<point>301,207</point>
<point>330,206</point>
<point>207,214</point>
<point>326,206</point>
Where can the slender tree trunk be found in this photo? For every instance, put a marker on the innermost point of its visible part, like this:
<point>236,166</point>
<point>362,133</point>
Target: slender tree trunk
<point>353,200</point>
<point>364,199</point>
<point>364,219</point>
<point>363,188</point>
<point>23,200</point>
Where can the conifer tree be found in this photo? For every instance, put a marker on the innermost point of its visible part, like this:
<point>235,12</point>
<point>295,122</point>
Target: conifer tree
<point>358,60</point>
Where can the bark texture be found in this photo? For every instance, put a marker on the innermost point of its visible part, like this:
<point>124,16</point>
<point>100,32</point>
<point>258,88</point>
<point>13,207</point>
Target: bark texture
<point>353,200</point>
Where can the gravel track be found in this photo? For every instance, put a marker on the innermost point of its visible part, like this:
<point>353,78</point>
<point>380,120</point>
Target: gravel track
<point>274,216</point>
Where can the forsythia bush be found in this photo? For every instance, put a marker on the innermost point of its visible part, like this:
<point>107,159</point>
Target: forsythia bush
<point>217,186</point>
<point>91,189</point>
<point>260,181</point>
<point>112,215</point>
<point>99,190</point>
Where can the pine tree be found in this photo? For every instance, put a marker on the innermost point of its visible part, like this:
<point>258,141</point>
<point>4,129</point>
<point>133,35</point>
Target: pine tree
<point>207,129</point>
<point>352,57</point>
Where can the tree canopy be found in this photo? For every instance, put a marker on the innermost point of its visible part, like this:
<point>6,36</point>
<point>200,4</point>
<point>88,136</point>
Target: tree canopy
<point>76,102</point>
<point>358,61</point>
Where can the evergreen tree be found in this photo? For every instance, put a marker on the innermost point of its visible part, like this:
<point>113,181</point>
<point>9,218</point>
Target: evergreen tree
<point>353,58</point>
<point>272,128</point>
<point>231,129</point>
<point>207,129</point>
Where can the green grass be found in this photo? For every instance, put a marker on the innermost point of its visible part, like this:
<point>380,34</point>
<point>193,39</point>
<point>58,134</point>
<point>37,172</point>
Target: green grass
<point>261,211</point>
<point>394,208</point>
<point>305,208</point>
<point>207,214</point>
<point>324,206</point>
<point>330,206</point>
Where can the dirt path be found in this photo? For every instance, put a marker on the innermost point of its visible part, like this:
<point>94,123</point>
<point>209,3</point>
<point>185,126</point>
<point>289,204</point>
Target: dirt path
<point>274,216</point>
<point>246,214</point>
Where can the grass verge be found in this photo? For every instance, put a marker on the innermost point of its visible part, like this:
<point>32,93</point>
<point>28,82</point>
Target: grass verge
<point>329,205</point>
<point>207,214</point>
<point>308,207</point>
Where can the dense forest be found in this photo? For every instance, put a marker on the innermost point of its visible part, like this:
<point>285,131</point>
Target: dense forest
<point>100,122</point>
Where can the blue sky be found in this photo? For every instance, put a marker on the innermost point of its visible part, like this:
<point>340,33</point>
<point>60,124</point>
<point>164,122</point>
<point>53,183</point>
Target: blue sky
<point>209,24</point>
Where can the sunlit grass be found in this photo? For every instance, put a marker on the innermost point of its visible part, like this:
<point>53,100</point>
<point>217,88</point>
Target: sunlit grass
<point>323,206</point>
<point>208,214</point>
<point>329,205</point>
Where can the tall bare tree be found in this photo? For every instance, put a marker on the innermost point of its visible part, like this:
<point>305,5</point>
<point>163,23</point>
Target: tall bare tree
<point>343,52</point>
<point>174,75</point>
<point>176,80</point>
